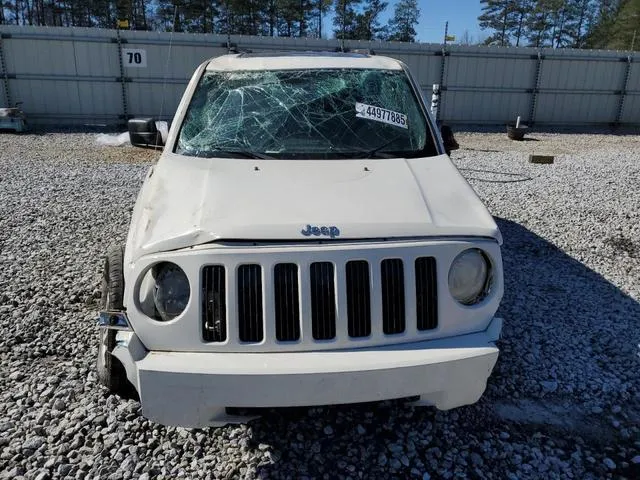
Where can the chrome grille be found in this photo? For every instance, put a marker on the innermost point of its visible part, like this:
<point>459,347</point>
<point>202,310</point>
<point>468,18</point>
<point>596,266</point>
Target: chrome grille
<point>426,293</point>
<point>214,304</point>
<point>358,299</point>
<point>250,303</point>
<point>392,277</point>
<point>287,307</point>
<point>323,301</point>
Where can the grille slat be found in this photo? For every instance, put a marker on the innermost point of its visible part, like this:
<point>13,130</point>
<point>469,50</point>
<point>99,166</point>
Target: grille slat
<point>393,308</point>
<point>426,293</point>
<point>250,326</point>
<point>358,299</point>
<point>287,311</point>
<point>323,307</point>
<point>214,304</point>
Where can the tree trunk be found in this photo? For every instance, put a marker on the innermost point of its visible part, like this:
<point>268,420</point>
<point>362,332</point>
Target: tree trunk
<point>583,12</point>
<point>143,12</point>
<point>29,12</point>
<point>504,23</point>
<point>560,29</point>
<point>520,25</point>
<point>272,18</point>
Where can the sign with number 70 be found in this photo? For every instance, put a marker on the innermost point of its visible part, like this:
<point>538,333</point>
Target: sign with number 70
<point>134,57</point>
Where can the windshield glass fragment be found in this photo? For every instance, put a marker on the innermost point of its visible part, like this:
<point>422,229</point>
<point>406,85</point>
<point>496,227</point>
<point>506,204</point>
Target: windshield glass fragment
<point>323,113</point>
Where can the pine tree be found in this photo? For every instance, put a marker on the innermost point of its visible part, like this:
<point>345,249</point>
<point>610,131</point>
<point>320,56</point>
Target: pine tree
<point>345,19</point>
<point>318,10</point>
<point>540,23</point>
<point>288,16</point>
<point>501,17</point>
<point>627,27</point>
<point>617,26</point>
<point>368,25</point>
<point>402,27</point>
<point>517,26</point>
<point>582,16</point>
<point>247,16</point>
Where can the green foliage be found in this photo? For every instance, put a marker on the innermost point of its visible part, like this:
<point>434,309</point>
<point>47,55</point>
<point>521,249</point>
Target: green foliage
<point>561,23</point>
<point>367,23</point>
<point>250,17</point>
<point>402,27</point>
<point>499,16</point>
<point>618,28</point>
<point>345,19</point>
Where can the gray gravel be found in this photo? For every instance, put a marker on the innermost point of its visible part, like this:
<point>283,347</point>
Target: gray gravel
<point>563,402</point>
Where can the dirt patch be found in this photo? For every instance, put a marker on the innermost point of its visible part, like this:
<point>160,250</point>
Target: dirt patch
<point>552,417</point>
<point>623,244</point>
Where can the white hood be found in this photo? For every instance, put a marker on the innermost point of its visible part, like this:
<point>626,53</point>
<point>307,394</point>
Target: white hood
<point>190,201</point>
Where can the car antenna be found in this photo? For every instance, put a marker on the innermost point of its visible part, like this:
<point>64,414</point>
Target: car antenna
<point>166,66</point>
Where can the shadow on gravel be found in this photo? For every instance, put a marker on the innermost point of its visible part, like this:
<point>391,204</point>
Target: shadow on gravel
<point>561,129</point>
<point>568,357</point>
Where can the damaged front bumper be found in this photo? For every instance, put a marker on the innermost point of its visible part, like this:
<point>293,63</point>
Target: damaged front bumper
<point>114,320</point>
<point>192,389</point>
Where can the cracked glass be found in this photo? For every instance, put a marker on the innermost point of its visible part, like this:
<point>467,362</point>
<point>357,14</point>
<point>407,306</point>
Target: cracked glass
<point>311,113</point>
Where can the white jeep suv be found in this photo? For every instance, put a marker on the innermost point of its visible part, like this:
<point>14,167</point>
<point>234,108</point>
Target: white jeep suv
<point>304,239</point>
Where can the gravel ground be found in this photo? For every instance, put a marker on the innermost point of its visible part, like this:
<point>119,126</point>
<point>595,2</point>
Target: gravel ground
<point>563,401</point>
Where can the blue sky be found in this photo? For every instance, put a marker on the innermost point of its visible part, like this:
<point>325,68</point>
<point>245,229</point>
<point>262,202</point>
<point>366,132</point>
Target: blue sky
<point>461,14</point>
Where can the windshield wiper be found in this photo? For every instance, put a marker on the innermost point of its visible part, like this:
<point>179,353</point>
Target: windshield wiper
<point>239,154</point>
<point>378,151</point>
<point>364,153</point>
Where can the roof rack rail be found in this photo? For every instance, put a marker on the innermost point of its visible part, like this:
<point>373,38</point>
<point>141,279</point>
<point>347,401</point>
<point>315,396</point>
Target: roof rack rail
<point>361,51</point>
<point>233,48</point>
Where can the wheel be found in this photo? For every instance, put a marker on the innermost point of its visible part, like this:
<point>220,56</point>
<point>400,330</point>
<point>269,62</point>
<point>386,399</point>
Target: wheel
<point>111,372</point>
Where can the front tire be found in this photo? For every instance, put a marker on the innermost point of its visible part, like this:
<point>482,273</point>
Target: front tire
<point>111,372</point>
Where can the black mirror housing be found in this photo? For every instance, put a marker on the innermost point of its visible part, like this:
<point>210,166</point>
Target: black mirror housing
<point>144,133</point>
<point>448,139</point>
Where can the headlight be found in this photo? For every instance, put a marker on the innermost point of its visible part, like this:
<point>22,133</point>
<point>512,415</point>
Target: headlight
<point>171,293</point>
<point>470,277</point>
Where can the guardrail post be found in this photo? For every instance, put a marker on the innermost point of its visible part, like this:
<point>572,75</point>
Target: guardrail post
<point>625,85</point>
<point>5,74</point>
<point>536,87</point>
<point>123,80</point>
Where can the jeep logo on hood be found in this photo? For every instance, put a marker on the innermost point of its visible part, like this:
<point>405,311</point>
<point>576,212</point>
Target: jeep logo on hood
<point>323,230</point>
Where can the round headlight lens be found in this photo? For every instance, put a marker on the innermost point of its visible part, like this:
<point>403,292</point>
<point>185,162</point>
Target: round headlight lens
<point>470,277</point>
<point>171,293</point>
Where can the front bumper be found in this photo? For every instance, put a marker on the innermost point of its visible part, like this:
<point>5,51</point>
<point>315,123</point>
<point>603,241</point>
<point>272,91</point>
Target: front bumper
<point>193,389</point>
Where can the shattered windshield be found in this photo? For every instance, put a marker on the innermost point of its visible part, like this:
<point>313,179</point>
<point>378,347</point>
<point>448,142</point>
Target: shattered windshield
<point>323,113</point>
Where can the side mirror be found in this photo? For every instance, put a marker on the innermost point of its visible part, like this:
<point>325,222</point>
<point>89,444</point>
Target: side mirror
<point>448,139</point>
<point>144,133</point>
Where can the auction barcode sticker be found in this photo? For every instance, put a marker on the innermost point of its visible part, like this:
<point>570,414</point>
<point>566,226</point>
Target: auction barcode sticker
<point>381,115</point>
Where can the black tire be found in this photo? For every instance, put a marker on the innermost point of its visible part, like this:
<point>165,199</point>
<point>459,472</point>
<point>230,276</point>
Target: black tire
<point>111,372</point>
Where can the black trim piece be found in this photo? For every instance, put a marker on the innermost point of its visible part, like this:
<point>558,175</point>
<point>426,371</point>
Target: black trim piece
<point>250,303</point>
<point>323,301</point>
<point>214,304</point>
<point>426,293</point>
<point>287,303</point>
<point>358,298</point>
<point>393,307</point>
